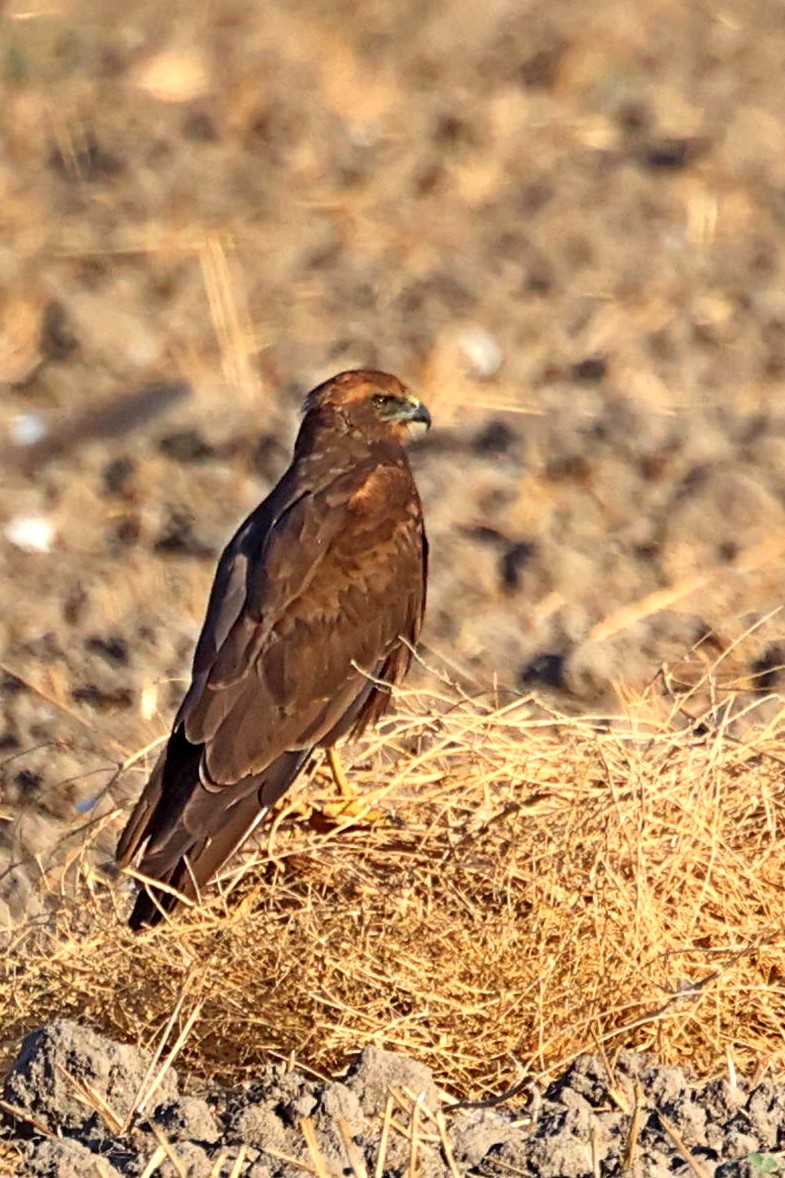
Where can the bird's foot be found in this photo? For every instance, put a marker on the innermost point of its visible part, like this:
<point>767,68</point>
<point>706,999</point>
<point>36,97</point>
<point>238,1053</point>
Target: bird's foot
<point>342,809</point>
<point>351,807</point>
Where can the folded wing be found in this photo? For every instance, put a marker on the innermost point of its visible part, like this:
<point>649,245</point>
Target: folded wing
<point>314,605</point>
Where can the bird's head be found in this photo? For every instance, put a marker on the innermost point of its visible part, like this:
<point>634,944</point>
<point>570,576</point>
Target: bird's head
<point>374,404</point>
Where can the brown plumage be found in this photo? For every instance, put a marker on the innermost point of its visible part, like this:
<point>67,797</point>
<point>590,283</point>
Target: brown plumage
<point>315,603</point>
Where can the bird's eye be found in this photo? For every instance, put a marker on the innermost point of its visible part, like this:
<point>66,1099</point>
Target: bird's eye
<point>381,399</point>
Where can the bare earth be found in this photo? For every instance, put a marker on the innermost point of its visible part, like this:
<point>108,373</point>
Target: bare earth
<point>650,1122</point>
<point>567,235</point>
<point>564,228</point>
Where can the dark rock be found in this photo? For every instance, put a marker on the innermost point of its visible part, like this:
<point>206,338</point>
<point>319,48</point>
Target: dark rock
<point>545,669</point>
<point>590,371</point>
<point>199,127</point>
<point>768,669</point>
<point>124,531</point>
<point>177,538</point>
<point>540,71</point>
<point>112,648</point>
<point>268,457</point>
<point>117,475</point>
<point>57,339</point>
<point>186,446</point>
<point>88,161</point>
<point>671,154</point>
<point>494,439</point>
<point>103,699</point>
<point>514,561</point>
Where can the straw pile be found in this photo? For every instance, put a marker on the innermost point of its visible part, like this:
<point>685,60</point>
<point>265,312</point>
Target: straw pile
<point>521,888</point>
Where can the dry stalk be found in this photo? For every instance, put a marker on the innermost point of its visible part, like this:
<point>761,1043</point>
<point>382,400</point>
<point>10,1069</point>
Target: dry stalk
<point>168,1151</point>
<point>533,887</point>
<point>384,1140</point>
<point>681,1148</point>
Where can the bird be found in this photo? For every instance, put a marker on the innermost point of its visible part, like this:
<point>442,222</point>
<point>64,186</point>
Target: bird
<point>314,612</point>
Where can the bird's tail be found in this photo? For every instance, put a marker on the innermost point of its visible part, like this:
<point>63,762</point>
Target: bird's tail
<point>186,857</point>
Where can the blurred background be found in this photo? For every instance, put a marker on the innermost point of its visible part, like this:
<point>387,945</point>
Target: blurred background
<point>563,224</point>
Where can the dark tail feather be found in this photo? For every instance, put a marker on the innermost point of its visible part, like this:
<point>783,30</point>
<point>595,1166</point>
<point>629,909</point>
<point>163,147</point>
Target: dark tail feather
<point>137,827</point>
<point>150,906</point>
<point>187,864</point>
<point>187,861</point>
<point>163,799</point>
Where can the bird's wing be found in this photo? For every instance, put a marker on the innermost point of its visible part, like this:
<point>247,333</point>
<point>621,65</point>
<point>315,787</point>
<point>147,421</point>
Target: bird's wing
<point>338,581</point>
<point>310,601</point>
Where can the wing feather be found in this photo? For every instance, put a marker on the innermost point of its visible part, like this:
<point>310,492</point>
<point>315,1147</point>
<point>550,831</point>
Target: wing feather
<point>314,602</point>
<point>325,598</point>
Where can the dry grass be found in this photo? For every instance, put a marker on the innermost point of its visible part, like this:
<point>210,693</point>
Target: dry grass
<point>534,887</point>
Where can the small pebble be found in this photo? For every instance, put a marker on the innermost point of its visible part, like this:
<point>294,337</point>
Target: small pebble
<point>31,533</point>
<point>174,76</point>
<point>28,428</point>
<point>481,350</point>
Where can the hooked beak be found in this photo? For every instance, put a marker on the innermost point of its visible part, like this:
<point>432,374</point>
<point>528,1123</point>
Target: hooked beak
<point>419,412</point>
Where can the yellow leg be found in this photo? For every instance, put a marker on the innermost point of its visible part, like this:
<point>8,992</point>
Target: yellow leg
<point>339,777</point>
<point>349,805</point>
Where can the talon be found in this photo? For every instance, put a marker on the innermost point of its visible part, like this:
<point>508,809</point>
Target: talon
<point>353,808</point>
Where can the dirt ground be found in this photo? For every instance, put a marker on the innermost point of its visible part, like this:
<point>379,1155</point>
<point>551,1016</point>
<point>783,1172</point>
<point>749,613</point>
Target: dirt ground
<point>384,1116</point>
<point>565,230</point>
<point>567,234</point>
